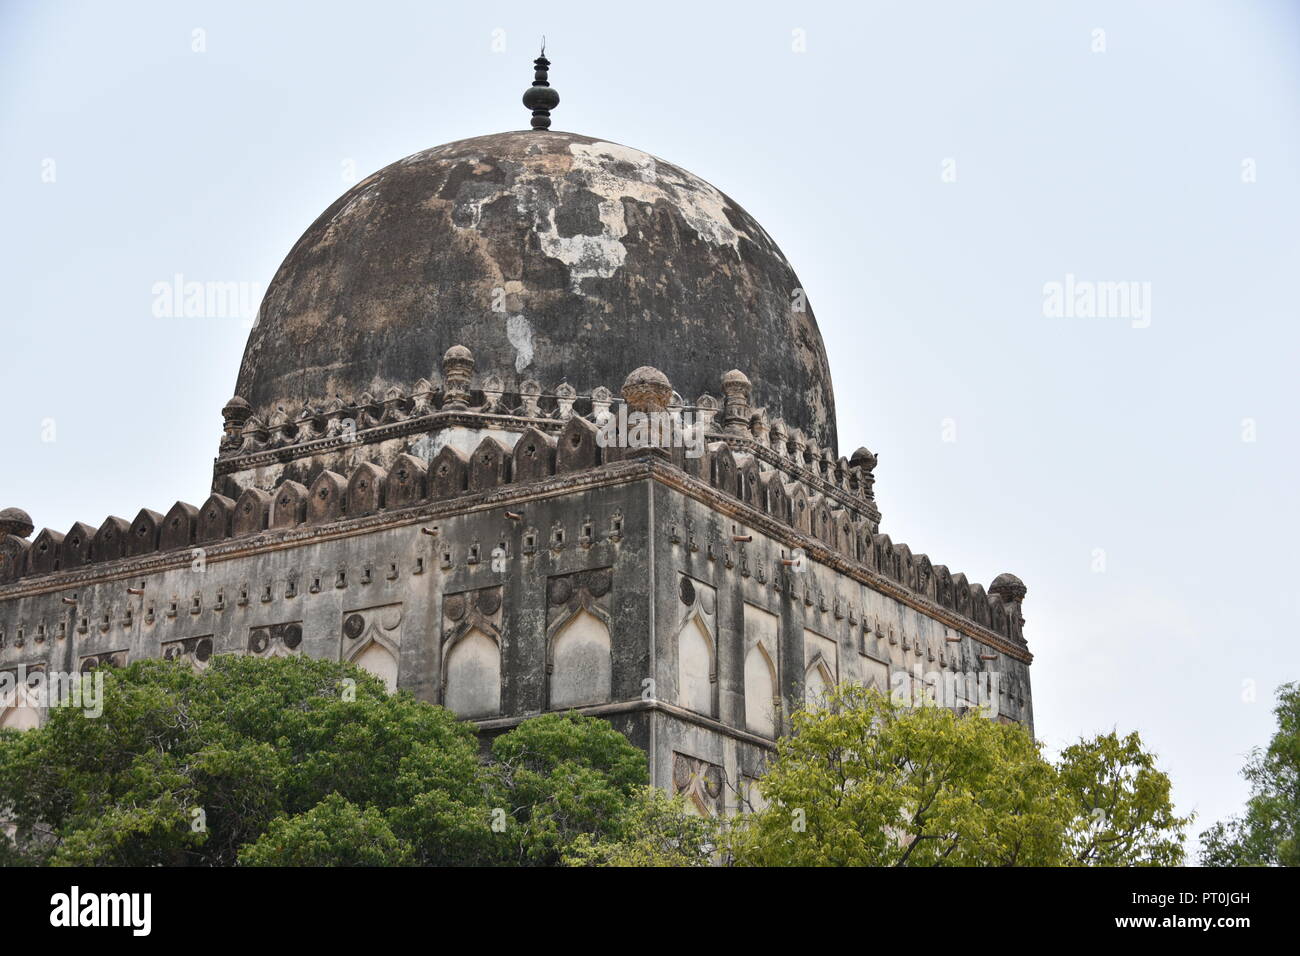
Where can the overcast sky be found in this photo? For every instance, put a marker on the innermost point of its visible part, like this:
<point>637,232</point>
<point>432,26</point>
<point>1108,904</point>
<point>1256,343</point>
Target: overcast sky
<point>928,168</point>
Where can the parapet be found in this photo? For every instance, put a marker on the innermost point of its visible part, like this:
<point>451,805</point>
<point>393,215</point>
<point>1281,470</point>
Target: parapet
<point>487,439</point>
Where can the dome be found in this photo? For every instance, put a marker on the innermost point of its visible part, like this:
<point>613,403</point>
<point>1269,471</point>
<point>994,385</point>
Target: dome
<point>15,521</point>
<point>1008,587</point>
<point>551,256</point>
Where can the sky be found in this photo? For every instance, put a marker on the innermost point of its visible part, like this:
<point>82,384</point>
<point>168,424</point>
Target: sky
<point>952,181</point>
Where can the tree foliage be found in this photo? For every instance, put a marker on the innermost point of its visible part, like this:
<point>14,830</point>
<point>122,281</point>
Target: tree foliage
<point>306,762</point>
<point>656,830</point>
<point>300,761</point>
<point>561,777</point>
<point>1123,812</point>
<point>1268,832</point>
<point>335,832</point>
<point>865,782</point>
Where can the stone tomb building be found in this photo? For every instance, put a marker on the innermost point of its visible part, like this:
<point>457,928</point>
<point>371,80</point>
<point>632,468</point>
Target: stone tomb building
<point>435,466</point>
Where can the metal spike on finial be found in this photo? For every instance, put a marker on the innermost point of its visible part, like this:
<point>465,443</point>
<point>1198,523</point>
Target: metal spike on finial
<point>540,97</point>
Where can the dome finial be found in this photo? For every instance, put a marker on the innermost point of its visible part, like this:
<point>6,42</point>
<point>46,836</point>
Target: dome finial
<point>539,97</point>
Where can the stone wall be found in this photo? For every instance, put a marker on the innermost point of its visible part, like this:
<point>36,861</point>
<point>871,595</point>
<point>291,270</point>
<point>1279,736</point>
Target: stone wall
<point>500,561</point>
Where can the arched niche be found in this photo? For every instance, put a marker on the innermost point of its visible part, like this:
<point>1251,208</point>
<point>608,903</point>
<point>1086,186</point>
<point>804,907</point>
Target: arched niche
<point>875,675</point>
<point>579,664</point>
<point>760,691</point>
<point>762,677</point>
<point>380,661</point>
<point>18,711</point>
<point>696,671</point>
<point>372,640</point>
<point>818,681</point>
<point>472,675</point>
<point>20,718</point>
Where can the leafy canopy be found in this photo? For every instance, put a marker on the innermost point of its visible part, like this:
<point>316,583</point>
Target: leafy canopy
<point>301,761</point>
<point>866,782</point>
<point>1268,833</point>
<point>563,776</point>
<point>307,762</point>
<point>657,830</point>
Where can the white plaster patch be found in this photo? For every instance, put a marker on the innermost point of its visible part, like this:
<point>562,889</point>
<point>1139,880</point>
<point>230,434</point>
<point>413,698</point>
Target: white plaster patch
<point>588,256</point>
<point>520,333</point>
<point>702,206</point>
<point>423,447</point>
<point>467,440</point>
<point>475,205</point>
<point>613,173</point>
<point>596,157</point>
<point>704,209</point>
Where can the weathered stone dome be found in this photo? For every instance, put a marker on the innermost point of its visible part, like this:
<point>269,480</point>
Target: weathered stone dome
<point>551,256</point>
<point>15,521</point>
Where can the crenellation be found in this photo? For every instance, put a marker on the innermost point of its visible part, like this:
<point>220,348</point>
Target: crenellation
<point>43,557</point>
<point>75,552</point>
<point>215,519</point>
<point>255,436</point>
<point>326,499</point>
<point>405,484</point>
<point>577,448</point>
<point>252,512</point>
<point>110,540</point>
<point>489,466</point>
<point>179,527</point>
<point>533,457</point>
<point>142,536</point>
<point>289,505</point>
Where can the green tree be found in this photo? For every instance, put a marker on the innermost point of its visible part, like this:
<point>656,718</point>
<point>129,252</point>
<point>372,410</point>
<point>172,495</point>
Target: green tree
<point>301,761</point>
<point>865,782</point>
<point>335,832</point>
<point>1268,833</point>
<point>1124,813</point>
<point>560,777</point>
<point>655,830</point>
<point>187,768</point>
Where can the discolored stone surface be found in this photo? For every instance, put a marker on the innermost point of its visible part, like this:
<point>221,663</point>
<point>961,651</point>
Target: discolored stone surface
<point>553,257</point>
<point>655,589</point>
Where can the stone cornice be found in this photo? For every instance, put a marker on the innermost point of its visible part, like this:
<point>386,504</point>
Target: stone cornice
<point>441,420</point>
<point>816,482</point>
<point>651,464</point>
<point>753,518</point>
<point>432,422</point>
<point>269,540</point>
<point>638,705</point>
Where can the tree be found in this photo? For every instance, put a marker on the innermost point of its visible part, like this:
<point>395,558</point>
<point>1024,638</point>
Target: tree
<point>1124,814</point>
<point>866,782</point>
<point>1268,833</point>
<point>656,830</point>
<point>307,762</point>
<point>560,777</point>
<point>185,768</point>
<point>302,762</point>
<point>335,832</point>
